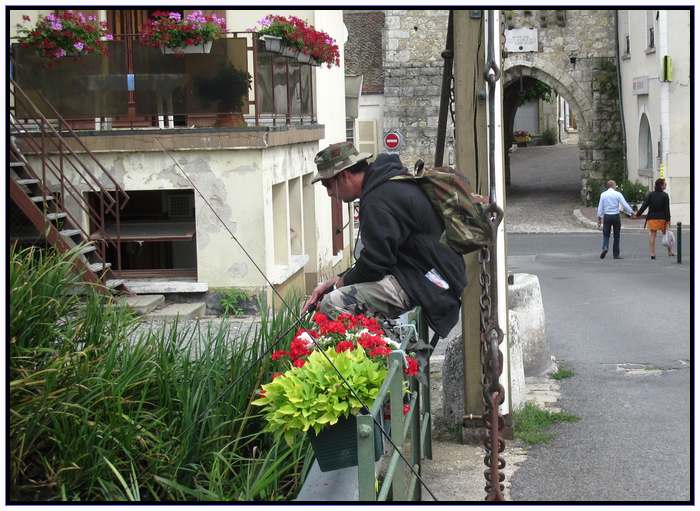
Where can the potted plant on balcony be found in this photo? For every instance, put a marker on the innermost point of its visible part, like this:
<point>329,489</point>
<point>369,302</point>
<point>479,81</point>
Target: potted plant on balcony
<point>310,397</point>
<point>228,88</point>
<point>174,34</point>
<point>522,137</point>
<point>293,37</point>
<point>66,34</point>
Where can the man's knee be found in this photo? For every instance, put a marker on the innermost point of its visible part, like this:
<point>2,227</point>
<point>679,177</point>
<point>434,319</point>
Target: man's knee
<point>340,300</point>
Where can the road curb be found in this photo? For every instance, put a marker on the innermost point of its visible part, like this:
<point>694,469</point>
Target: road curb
<point>593,225</point>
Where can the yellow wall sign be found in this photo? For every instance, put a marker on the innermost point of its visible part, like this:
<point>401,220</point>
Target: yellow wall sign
<point>662,171</point>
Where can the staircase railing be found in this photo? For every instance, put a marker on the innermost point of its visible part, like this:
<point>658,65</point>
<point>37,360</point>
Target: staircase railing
<point>38,137</point>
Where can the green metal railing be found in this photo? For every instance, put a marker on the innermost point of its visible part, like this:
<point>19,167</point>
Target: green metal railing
<point>406,431</point>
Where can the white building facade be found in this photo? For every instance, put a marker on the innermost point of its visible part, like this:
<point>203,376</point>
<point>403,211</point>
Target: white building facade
<point>655,77</point>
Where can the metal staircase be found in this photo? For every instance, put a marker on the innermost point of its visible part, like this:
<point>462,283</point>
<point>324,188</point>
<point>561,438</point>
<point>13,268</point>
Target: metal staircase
<point>57,190</point>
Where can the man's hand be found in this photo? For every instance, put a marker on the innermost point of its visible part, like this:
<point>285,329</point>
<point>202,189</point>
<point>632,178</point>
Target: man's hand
<point>598,222</point>
<point>480,199</point>
<point>319,291</point>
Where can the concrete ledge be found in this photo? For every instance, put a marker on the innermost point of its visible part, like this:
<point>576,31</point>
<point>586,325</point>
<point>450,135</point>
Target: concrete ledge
<point>178,311</point>
<point>144,287</point>
<point>334,486</point>
<point>142,304</point>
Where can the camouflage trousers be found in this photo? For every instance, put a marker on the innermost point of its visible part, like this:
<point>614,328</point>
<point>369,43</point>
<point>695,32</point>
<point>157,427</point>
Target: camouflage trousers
<point>384,298</point>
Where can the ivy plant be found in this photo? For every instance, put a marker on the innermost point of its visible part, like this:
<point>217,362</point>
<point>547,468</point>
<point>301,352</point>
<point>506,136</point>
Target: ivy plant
<point>314,396</point>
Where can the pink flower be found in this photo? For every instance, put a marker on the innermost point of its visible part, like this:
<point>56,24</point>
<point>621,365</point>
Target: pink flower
<point>175,16</point>
<point>109,37</point>
<point>60,53</point>
<point>26,18</point>
<point>79,46</point>
<point>57,25</point>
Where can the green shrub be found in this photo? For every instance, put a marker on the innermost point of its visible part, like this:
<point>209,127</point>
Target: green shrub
<point>633,192</point>
<point>549,136</point>
<point>99,411</point>
<point>233,301</point>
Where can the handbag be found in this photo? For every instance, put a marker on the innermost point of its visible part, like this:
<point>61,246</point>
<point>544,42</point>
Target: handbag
<point>669,240</point>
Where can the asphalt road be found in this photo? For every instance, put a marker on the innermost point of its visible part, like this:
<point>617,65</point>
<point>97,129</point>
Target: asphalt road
<point>623,327</point>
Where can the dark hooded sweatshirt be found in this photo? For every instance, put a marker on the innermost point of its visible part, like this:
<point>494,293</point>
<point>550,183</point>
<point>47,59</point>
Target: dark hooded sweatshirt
<point>400,232</point>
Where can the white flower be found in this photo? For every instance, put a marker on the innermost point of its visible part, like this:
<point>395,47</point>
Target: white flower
<point>304,336</point>
<point>392,343</point>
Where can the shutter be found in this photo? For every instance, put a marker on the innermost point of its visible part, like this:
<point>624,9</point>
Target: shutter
<point>366,137</point>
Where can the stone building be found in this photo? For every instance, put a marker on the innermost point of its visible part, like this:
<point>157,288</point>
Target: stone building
<point>571,51</point>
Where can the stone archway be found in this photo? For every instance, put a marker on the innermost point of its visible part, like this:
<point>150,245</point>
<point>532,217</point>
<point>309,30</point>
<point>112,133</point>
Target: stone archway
<point>579,102</point>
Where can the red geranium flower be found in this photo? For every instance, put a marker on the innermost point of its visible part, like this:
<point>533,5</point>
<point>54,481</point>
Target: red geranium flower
<point>411,368</point>
<point>344,346</point>
<point>276,355</point>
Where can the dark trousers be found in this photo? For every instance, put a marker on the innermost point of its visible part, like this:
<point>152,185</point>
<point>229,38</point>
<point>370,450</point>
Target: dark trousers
<point>614,222</point>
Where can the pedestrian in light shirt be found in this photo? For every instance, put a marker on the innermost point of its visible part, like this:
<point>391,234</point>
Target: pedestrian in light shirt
<point>609,214</point>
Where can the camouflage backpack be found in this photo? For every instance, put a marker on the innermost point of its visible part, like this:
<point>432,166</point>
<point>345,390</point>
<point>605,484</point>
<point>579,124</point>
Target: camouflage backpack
<point>466,226</point>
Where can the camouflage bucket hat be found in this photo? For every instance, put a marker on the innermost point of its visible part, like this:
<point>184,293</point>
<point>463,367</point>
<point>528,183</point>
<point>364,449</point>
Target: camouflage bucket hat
<point>336,158</point>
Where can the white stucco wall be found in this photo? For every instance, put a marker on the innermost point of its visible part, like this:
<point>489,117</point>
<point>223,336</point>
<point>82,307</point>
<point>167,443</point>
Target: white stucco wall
<point>237,184</point>
<point>371,108</point>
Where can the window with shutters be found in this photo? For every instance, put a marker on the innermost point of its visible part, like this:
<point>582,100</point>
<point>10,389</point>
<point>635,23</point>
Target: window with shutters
<point>366,137</point>
<point>623,17</point>
<point>350,130</point>
<point>651,18</point>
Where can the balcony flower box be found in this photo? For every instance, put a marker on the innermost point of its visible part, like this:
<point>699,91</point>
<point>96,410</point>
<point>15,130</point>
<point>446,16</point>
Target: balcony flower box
<point>273,44</point>
<point>174,34</point>
<point>194,48</point>
<point>295,33</point>
<point>68,34</point>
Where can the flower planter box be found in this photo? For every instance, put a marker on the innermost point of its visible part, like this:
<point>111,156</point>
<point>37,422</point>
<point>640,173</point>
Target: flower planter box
<point>198,48</point>
<point>291,52</point>
<point>272,43</point>
<point>336,446</point>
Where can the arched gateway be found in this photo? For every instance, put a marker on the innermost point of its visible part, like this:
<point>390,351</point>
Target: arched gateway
<point>574,52</point>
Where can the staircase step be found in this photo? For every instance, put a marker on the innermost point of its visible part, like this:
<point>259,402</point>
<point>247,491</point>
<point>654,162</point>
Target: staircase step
<point>69,233</point>
<point>87,249</point>
<point>98,267</point>
<point>17,164</point>
<point>41,198</point>
<point>143,304</point>
<point>56,216</point>
<point>27,181</point>
<point>114,283</point>
<point>178,310</point>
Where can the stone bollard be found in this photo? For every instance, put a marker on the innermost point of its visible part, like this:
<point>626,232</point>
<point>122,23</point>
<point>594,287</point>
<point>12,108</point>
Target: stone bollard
<point>527,344</point>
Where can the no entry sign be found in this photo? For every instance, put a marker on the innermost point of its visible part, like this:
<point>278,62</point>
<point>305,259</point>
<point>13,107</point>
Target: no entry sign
<point>392,140</point>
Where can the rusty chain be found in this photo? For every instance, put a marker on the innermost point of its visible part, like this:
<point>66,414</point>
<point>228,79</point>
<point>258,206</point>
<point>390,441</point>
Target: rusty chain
<point>492,365</point>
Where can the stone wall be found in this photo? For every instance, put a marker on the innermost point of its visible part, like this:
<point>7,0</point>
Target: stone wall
<point>414,39</point>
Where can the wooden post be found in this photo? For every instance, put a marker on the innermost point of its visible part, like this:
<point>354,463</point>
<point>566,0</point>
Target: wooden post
<point>471,159</point>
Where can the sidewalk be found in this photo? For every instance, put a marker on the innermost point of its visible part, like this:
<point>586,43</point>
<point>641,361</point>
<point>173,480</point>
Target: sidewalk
<point>588,217</point>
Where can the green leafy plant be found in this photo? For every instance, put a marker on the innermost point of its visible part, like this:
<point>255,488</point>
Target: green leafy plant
<point>311,394</point>
<point>314,395</point>
<point>228,88</point>
<point>562,373</point>
<point>232,301</point>
<point>531,422</point>
<point>634,192</point>
<point>537,90</point>
<point>102,408</point>
<point>549,136</point>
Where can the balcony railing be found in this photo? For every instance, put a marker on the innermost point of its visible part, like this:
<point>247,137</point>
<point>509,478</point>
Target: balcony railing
<point>138,86</point>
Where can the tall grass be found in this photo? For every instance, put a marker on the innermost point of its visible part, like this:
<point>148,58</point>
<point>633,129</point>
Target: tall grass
<point>101,412</point>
